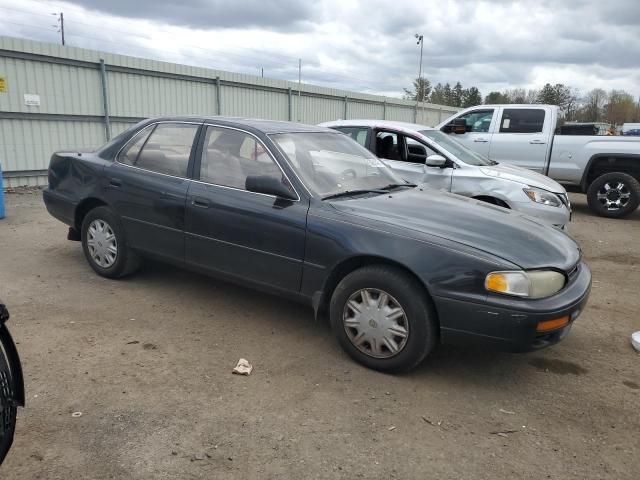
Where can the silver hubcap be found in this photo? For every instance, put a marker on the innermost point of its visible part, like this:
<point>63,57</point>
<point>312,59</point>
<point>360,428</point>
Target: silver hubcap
<point>102,244</point>
<point>614,195</point>
<point>375,323</point>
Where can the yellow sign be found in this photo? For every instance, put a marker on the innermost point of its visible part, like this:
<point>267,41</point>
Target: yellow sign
<point>3,84</point>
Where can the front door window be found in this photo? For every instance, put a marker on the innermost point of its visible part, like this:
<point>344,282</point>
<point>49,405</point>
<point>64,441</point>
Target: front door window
<point>478,120</point>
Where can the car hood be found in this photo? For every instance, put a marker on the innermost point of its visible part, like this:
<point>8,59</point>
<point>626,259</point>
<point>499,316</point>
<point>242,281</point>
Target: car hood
<point>523,175</point>
<point>507,234</point>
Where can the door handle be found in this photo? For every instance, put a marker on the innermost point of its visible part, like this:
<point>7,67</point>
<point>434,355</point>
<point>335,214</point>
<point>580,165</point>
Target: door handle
<point>537,142</point>
<point>172,196</point>
<point>200,202</point>
<point>115,182</point>
<point>480,140</point>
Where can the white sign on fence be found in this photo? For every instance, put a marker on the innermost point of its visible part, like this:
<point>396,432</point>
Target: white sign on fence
<point>31,100</point>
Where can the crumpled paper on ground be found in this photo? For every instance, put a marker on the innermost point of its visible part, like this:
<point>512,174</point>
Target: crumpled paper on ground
<point>243,367</point>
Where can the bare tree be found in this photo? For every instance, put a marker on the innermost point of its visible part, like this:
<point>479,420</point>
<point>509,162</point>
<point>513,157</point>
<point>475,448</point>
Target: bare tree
<point>620,108</point>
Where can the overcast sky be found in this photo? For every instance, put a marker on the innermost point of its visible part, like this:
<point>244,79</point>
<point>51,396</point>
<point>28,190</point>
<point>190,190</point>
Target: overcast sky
<point>361,45</point>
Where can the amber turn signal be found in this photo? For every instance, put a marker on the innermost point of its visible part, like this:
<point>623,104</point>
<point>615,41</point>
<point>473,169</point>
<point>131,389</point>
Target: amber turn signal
<point>548,325</point>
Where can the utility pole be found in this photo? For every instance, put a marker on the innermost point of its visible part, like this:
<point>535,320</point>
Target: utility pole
<point>420,84</point>
<point>60,27</point>
<point>299,85</point>
<point>262,72</point>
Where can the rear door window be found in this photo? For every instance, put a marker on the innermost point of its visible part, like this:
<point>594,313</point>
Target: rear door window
<point>522,120</point>
<point>130,154</point>
<point>167,150</point>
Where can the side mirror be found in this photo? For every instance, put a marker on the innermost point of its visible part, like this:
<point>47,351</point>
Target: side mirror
<point>436,161</point>
<point>269,186</point>
<point>459,126</point>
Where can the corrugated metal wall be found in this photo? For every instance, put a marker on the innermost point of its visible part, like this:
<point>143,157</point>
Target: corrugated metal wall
<point>71,113</point>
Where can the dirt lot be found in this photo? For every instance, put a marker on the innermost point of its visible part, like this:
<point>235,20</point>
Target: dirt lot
<point>148,362</point>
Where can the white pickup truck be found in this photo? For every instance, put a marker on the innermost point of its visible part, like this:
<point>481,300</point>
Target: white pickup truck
<point>606,168</point>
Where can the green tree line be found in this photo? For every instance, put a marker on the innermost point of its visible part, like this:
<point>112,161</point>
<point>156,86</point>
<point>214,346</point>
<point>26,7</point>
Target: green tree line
<point>597,105</point>
<point>455,96</point>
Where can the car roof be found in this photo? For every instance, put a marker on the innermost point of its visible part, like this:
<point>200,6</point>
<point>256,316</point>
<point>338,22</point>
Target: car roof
<point>416,127</point>
<point>264,126</point>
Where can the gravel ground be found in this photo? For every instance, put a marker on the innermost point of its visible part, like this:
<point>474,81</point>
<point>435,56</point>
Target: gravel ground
<point>148,360</point>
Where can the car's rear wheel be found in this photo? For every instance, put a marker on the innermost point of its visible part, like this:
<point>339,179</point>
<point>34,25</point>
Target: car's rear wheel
<point>105,245</point>
<point>383,318</point>
<point>614,195</point>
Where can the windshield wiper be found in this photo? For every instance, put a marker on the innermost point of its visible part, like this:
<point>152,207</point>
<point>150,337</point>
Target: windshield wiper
<point>348,193</point>
<point>391,186</point>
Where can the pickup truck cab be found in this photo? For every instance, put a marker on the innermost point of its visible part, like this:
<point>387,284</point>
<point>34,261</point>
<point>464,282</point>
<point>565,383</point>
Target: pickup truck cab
<point>424,155</point>
<point>606,168</point>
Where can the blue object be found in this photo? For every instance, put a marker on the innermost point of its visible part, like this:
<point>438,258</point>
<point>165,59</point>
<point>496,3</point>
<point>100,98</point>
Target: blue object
<point>1,194</point>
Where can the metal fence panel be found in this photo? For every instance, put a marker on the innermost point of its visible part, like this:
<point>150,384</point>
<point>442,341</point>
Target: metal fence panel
<point>365,110</point>
<point>245,102</point>
<point>133,95</point>
<point>315,110</point>
<point>62,89</point>
<point>400,113</point>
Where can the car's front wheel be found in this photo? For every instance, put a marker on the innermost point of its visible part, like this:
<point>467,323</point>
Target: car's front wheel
<point>383,318</point>
<point>105,246</point>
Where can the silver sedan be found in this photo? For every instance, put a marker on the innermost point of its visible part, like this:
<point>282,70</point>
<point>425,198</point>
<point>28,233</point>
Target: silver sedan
<point>422,154</point>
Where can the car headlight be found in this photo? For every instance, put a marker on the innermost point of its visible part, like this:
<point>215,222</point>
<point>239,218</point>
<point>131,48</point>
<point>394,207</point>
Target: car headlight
<point>532,284</point>
<point>542,196</point>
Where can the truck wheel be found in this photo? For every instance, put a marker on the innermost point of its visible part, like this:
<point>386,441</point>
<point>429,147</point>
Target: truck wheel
<point>614,195</point>
<point>105,245</point>
<point>383,318</point>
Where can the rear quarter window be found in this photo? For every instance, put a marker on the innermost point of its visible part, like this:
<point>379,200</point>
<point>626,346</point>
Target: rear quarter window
<point>165,149</point>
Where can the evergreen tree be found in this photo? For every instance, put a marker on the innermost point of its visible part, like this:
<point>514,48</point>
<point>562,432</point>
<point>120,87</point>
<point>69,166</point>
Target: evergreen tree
<point>447,93</point>
<point>420,92</point>
<point>495,98</point>
<point>437,95</point>
<point>471,97</point>
<point>547,95</point>
<point>456,95</point>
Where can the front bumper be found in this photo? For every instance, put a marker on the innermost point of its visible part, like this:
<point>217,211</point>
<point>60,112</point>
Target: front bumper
<point>510,323</point>
<point>556,216</point>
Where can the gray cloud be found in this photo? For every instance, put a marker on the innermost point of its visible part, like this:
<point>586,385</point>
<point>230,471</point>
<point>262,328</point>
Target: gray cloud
<point>370,45</point>
<point>208,14</point>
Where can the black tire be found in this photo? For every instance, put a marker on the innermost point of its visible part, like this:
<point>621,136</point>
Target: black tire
<point>126,260</point>
<point>630,186</point>
<point>404,290</point>
<point>7,410</point>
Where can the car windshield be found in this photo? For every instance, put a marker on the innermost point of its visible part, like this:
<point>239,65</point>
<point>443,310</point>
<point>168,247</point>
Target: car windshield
<point>456,148</point>
<point>332,163</point>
